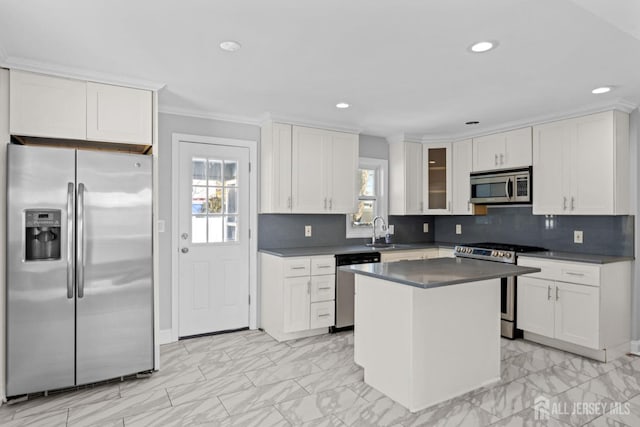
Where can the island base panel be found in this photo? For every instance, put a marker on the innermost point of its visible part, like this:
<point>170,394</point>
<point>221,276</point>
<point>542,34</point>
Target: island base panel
<point>421,347</point>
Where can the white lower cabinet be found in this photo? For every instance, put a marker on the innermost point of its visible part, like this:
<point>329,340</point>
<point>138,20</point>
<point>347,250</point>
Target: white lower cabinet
<point>582,304</point>
<point>564,311</point>
<point>297,295</point>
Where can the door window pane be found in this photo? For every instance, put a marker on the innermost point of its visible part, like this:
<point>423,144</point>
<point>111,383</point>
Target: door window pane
<point>231,228</point>
<point>230,174</point>
<point>214,201</point>
<point>215,229</point>
<point>199,228</point>
<point>215,172</point>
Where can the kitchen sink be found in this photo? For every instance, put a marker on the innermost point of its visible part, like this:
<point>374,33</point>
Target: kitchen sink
<point>381,246</point>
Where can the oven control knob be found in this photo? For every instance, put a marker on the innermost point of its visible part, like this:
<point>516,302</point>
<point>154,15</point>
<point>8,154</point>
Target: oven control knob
<point>469,250</point>
<point>508,255</point>
<point>500,254</point>
<point>494,253</point>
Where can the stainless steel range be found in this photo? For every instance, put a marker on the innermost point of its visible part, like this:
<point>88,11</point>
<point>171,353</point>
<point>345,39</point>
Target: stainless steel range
<point>500,252</point>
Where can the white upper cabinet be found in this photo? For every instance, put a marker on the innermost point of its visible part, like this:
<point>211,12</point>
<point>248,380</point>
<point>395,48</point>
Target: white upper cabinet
<point>505,150</point>
<point>54,107</point>
<point>405,178</point>
<point>581,165</point>
<point>436,184</point>
<point>119,114</point>
<point>342,174</point>
<point>275,167</point>
<point>307,170</point>
<point>45,106</point>
<point>462,154</point>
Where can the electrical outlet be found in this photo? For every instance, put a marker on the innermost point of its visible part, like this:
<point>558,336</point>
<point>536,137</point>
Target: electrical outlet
<point>577,236</point>
<point>425,227</point>
<point>161,225</point>
<point>307,231</point>
<point>391,229</point>
<point>458,228</point>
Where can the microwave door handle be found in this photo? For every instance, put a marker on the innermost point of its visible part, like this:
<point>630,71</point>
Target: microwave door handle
<point>506,188</point>
<point>510,187</point>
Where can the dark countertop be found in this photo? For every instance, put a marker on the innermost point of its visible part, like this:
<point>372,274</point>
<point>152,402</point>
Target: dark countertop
<point>438,272</point>
<point>352,249</point>
<point>570,256</point>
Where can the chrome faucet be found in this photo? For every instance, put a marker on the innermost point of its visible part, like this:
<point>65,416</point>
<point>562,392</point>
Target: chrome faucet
<point>373,224</point>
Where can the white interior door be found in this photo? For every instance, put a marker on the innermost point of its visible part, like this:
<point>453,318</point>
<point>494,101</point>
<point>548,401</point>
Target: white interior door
<point>213,237</point>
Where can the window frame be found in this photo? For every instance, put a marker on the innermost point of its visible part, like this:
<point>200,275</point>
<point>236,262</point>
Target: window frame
<point>381,167</point>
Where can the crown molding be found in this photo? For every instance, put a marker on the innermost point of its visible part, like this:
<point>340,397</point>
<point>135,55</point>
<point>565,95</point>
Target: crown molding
<point>619,104</point>
<point>403,137</point>
<point>309,123</point>
<point>186,112</point>
<point>18,63</point>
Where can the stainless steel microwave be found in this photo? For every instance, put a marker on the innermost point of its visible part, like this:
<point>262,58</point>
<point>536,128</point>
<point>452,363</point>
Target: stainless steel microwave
<point>501,187</point>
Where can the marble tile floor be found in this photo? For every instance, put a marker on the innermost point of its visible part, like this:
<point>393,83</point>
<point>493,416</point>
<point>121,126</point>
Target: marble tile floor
<point>248,379</point>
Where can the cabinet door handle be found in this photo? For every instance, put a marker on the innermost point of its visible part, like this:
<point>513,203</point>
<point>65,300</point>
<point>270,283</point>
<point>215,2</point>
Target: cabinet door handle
<point>449,206</point>
<point>298,268</point>
<point>325,203</point>
<point>564,203</point>
<point>496,160</point>
<point>421,206</point>
<point>557,297</point>
<point>502,159</point>
<point>289,202</point>
<point>325,287</point>
<point>323,266</point>
<point>572,203</point>
<point>548,292</point>
<point>331,203</point>
<point>324,315</point>
<point>309,287</point>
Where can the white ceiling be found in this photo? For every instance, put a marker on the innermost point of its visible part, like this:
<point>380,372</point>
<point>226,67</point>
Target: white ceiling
<point>402,65</point>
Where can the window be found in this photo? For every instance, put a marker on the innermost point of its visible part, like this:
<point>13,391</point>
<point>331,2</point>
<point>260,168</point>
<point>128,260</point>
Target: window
<point>214,193</point>
<point>372,198</point>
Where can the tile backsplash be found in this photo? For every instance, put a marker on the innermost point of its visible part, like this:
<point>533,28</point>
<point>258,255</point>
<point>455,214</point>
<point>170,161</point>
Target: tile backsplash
<point>604,235</point>
<point>278,231</point>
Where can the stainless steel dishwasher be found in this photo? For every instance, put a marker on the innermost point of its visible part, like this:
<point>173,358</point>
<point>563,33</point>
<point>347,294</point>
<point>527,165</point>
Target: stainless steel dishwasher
<point>345,287</point>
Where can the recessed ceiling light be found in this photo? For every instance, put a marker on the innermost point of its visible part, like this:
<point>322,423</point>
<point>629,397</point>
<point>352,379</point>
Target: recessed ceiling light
<point>230,45</point>
<point>599,90</point>
<point>342,105</point>
<point>473,122</point>
<point>483,46</point>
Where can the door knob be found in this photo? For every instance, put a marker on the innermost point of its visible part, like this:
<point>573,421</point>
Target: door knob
<point>184,250</point>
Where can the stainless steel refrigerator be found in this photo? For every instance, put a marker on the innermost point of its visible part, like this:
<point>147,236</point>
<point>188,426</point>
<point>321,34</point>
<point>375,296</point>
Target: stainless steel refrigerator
<point>79,267</point>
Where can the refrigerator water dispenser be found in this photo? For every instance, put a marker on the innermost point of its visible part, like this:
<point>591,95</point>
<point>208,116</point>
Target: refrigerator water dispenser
<point>42,234</point>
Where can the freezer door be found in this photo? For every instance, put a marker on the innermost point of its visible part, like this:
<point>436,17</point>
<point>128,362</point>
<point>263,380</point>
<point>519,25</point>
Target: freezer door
<point>40,300</point>
<point>114,320</point>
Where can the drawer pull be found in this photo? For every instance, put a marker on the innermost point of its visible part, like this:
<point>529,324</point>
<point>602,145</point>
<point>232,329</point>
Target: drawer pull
<point>557,297</point>
<point>326,287</point>
<point>574,274</point>
<point>298,268</point>
<point>324,315</point>
<point>324,266</point>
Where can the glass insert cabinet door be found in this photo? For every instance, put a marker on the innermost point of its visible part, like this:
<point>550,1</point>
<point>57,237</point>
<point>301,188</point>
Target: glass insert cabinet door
<point>437,177</point>
<point>214,200</point>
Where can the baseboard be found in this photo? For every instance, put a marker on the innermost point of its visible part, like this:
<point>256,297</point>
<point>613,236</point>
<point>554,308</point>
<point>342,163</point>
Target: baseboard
<point>165,336</point>
<point>604,355</point>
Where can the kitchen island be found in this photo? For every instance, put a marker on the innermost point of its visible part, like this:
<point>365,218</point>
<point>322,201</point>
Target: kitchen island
<point>429,330</point>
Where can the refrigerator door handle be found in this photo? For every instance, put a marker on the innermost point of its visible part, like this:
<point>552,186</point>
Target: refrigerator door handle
<point>70,212</point>
<point>80,245</point>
